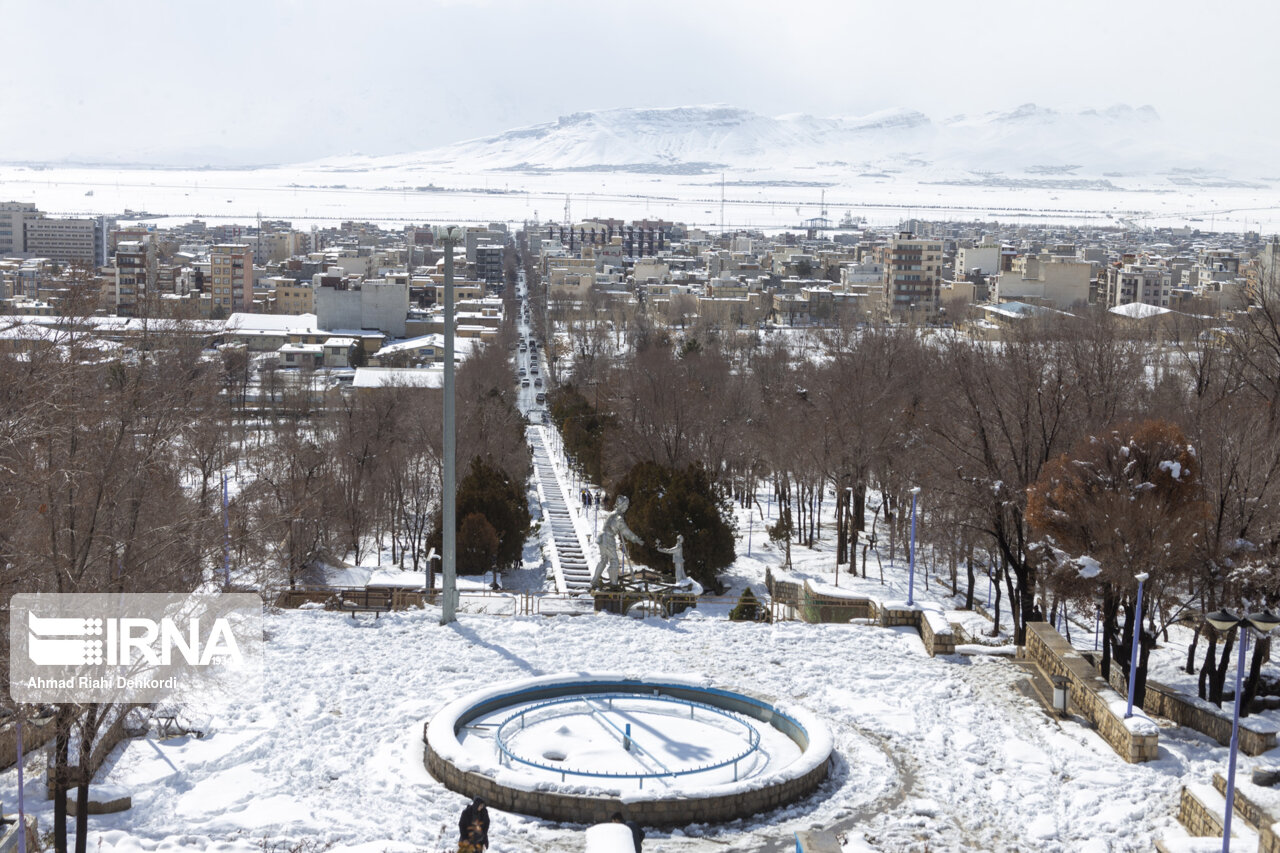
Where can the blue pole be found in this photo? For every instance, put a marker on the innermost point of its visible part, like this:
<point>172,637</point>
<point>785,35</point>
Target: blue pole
<point>990,578</point>
<point>22,811</point>
<point>226,535</point>
<point>1097,627</point>
<point>1137,639</point>
<point>911,567</point>
<point>1235,740</point>
<point>751,523</point>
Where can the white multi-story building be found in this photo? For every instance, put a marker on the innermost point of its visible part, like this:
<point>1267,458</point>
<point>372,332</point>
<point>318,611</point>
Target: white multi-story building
<point>985,256</point>
<point>1045,280</point>
<point>66,241</point>
<point>369,304</point>
<point>14,216</point>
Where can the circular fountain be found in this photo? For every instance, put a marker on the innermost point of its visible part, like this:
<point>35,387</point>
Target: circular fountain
<point>664,750</point>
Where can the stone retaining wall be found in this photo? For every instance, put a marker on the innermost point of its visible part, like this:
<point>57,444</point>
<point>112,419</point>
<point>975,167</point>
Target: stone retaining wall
<point>1091,696</point>
<point>1163,701</point>
<point>819,607</point>
<point>936,641</point>
<point>1199,819</point>
<point>34,736</point>
<point>289,599</point>
<point>572,808</point>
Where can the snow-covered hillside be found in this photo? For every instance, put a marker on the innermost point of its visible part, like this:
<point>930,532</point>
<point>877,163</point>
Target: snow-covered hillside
<point>1030,140</point>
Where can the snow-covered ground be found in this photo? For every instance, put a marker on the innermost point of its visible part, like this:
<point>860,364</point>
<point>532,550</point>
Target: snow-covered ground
<point>931,753</point>
<point>772,198</point>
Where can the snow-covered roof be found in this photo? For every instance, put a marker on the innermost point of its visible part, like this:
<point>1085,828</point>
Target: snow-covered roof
<point>398,377</point>
<point>280,323</point>
<point>1140,310</point>
<point>436,340</point>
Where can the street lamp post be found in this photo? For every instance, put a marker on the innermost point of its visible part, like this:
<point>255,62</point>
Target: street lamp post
<point>751,523</point>
<point>1225,620</point>
<point>1137,641</point>
<point>911,565</point>
<point>449,236</point>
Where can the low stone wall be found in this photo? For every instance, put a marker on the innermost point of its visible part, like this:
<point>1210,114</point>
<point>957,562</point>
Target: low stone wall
<point>937,639</point>
<point>1092,697</point>
<point>1246,807</point>
<point>34,736</point>
<point>290,599</point>
<point>10,835</point>
<point>1196,815</point>
<point>825,608</point>
<point>568,808</point>
<point>1163,701</point>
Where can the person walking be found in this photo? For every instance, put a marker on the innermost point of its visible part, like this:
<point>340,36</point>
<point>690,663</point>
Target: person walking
<point>473,826</point>
<point>637,834</point>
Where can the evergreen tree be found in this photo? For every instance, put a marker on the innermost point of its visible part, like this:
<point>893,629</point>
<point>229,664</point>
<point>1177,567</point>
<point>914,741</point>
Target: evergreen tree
<point>668,501</point>
<point>500,501</point>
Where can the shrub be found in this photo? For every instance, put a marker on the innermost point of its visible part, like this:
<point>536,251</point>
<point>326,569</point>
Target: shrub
<point>748,608</point>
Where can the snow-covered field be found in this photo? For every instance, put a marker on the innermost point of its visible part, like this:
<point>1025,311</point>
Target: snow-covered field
<point>324,195</point>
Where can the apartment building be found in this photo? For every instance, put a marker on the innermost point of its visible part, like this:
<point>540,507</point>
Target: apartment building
<point>135,276</point>
<point>1135,282</point>
<point>67,241</point>
<point>230,283</point>
<point>293,297</point>
<point>369,304</point>
<point>912,273</point>
<point>14,216</point>
<point>1046,280</point>
<point>489,263</point>
<point>984,256</point>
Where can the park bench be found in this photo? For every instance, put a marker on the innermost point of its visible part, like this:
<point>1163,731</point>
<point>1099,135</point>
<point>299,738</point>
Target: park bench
<point>375,601</point>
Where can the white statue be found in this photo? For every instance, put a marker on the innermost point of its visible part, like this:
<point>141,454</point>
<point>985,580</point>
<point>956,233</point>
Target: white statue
<point>610,566</point>
<point>677,557</point>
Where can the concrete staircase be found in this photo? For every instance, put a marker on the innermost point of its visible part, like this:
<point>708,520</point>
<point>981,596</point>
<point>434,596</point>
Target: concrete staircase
<point>567,528</point>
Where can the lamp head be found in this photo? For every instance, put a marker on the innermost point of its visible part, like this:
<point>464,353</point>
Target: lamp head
<point>1141,577</point>
<point>915,490</point>
<point>1264,621</point>
<point>1223,620</point>
<point>449,233</point>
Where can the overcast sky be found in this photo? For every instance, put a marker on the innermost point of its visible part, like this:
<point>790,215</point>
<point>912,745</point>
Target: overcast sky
<point>258,81</point>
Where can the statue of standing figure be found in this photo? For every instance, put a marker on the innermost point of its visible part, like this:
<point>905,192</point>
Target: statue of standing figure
<point>677,557</point>
<point>609,569</point>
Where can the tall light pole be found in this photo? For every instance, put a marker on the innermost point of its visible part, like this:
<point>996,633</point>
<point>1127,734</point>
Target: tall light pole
<point>1137,641</point>
<point>911,565</point>
<point>449,236</point>
<point>1225,620</point>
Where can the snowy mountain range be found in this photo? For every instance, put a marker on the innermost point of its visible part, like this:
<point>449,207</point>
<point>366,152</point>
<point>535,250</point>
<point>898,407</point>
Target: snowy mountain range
<point>1032,141</point>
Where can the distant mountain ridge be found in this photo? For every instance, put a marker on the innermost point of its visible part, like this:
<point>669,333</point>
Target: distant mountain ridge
<point>1027,140</point>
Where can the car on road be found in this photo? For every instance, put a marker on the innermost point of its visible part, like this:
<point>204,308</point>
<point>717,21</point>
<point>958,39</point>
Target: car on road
<point>537,382</point>
<point>524,383</point>
<point>541,398</point>
<point>521,372</point>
